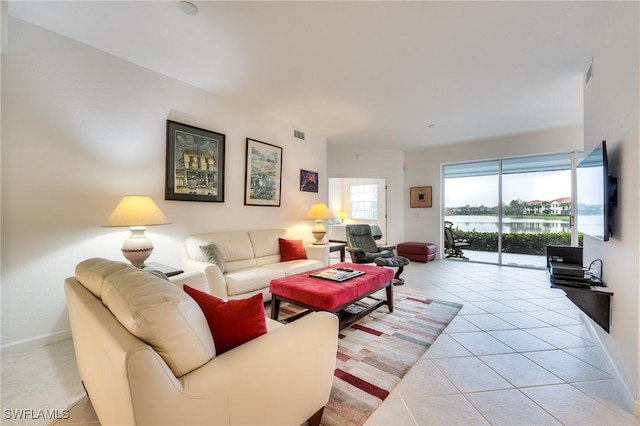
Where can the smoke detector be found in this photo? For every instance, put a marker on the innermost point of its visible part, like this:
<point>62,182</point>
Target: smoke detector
<point>188,8</point>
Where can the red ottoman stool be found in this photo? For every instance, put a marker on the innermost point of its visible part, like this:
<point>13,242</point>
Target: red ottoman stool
<point>421,252</point>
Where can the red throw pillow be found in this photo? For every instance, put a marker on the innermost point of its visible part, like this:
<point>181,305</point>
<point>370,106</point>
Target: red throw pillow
<point>231,323</point>
<point>291,250</point>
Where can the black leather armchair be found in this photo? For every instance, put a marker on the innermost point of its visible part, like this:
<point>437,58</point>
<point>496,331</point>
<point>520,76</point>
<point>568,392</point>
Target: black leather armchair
<point>362,246</point>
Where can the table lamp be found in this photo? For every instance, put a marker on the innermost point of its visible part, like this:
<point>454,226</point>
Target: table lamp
<point>319,212</point>
<point>137,212</point>
<point>342,215</point>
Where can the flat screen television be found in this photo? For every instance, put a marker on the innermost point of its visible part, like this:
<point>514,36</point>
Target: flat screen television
<point>596,194</point>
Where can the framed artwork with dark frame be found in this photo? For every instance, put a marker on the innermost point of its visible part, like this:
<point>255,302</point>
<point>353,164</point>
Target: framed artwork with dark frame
<point>421,196</point>
<point>308,181</point>
<point>263,174</point>
<point>195,164</point>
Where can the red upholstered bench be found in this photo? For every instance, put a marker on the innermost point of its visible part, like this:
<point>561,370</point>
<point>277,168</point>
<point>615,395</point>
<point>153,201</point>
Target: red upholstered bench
<point>421,252</point>
<point>317,294</point>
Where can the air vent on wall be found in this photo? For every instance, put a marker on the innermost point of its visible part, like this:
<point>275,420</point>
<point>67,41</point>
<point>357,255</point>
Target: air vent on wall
<point>298,134</point>
<point>588,75</point>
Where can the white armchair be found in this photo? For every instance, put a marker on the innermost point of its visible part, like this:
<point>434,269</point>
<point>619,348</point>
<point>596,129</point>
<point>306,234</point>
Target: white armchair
<point>283,377</point>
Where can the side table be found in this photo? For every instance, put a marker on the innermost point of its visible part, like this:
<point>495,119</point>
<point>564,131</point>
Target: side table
<point>333,246</point>
<point>169,271</point>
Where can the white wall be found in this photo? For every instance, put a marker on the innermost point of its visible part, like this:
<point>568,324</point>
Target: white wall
<point>80,130</point>
<point>423,168</point>
<point>611,113</point>
<point>375,163</point>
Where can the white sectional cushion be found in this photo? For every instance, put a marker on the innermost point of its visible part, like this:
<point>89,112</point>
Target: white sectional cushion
<point>267,260</point>
<point>92,272</point>
<point>265,241</point>
<point>162,315</point>
<point>252,279</point>
<point>241,265</point>
<point>294,266</point>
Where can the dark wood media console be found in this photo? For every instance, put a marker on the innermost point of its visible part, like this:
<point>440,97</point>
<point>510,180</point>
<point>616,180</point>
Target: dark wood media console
<point>593,303</point>
<point>596,304</point>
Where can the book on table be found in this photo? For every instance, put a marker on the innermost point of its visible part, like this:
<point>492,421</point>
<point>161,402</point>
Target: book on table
<point>337,274</point>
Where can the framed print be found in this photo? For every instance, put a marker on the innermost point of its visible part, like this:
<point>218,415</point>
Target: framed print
<point>262,179</point>
<point>195,164</point>
<point>421,196</point>
<point>308,181</point>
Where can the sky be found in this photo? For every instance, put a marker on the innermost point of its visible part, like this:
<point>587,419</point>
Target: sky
<point>483,190</point>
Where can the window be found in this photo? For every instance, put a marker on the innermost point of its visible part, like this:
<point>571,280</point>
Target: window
<point>364,201</point>
<point>511,209</point>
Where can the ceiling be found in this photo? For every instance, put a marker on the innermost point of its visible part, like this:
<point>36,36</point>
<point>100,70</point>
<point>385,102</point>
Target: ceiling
<point>400,75</point>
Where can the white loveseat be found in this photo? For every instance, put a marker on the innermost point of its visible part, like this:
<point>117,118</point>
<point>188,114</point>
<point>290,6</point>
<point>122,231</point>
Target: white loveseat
<point>251,258</point>
<point>146,356</point>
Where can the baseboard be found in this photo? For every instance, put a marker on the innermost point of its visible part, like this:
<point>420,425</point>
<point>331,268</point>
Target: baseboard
<point>629,400</point>
<point>26,345</point>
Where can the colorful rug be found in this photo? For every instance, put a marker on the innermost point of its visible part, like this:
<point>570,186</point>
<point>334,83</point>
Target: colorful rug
<point>375,353</point>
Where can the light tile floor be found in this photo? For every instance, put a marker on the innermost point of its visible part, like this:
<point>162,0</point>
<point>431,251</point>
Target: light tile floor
<point>517,353</point>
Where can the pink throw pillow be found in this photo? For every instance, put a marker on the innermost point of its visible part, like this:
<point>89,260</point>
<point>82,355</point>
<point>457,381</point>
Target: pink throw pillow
<point>291,250</point>
<point>232,323</point>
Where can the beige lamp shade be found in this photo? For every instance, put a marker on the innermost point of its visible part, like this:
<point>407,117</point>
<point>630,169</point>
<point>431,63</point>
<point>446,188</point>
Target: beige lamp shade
<point>319,212</point>
<point>137,212</point>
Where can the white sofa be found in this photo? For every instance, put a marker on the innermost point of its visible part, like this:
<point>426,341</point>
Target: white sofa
<point>146,356</point>
<point>252,260</point>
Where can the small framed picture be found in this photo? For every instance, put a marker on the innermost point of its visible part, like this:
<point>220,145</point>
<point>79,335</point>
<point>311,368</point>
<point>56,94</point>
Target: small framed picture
<point>262,180</point>
<point>308,181</point>
<point>421,196</point>
<point>195,164</point>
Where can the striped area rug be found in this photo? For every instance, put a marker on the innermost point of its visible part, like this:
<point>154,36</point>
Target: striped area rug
<point>375,353</point>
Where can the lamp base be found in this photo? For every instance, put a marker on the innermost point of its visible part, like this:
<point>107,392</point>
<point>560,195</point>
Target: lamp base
<point>319,232</point>
<point>137,248</point>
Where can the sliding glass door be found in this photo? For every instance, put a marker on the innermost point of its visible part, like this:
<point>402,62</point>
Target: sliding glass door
<point>472,200</point>
<point>536,192</point>
<point>531,208</point>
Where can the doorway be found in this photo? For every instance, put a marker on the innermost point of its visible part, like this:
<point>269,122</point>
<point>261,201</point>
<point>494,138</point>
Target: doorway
<point>357,200</point>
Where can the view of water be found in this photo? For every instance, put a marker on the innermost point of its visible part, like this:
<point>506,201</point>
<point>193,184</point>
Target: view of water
<point>509,224</point>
